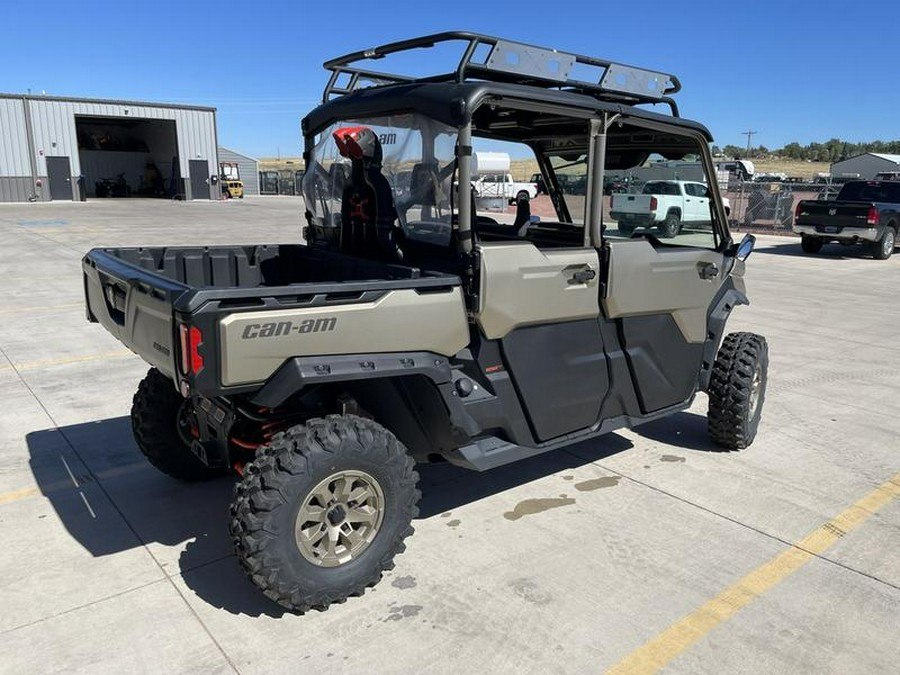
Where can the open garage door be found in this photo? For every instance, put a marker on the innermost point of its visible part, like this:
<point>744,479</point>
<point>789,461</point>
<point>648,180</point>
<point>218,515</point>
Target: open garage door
<point>128,157</point>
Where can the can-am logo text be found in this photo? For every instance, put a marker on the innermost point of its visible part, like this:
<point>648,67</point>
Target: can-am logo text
<point>279,328</point>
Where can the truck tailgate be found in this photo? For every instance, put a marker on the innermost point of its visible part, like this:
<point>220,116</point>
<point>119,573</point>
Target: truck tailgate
<point>833,216</point>
<point>628,203</point>
<point>134,305</point>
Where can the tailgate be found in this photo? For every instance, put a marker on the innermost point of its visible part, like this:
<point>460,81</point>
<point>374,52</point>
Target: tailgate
<point>631,203</point>
<point>134,305</point>
<point>832,217</point>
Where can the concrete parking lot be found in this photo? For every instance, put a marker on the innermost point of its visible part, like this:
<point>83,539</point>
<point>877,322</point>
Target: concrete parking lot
<point>642,550</point>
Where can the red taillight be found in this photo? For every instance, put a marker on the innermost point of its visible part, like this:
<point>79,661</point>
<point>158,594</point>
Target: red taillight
<point>191,339</point>
<point>872,216</point>
<point>653,204</point>
<point>797,211</point>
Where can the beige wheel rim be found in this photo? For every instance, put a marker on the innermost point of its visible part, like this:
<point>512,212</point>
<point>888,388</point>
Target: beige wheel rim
<point>339,518</point>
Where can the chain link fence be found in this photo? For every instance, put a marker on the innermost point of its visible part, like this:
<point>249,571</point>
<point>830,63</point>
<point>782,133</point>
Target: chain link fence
<point>760,205</point>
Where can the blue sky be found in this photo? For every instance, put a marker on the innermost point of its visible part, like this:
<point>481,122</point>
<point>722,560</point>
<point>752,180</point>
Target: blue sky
<point>792,71</point>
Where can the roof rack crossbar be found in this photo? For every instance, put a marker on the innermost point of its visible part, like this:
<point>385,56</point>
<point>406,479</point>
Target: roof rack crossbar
<point>509,61</point>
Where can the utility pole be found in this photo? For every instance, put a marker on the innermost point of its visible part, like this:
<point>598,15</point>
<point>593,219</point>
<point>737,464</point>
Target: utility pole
<point>748,134</point>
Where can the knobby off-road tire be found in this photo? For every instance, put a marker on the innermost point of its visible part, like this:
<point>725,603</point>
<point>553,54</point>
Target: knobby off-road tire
<point>811,244</point>
<point>162,428</point>
<point>737,390</point>
<point>337,475</point>
<point>884,247</point>
<point>671,226</point>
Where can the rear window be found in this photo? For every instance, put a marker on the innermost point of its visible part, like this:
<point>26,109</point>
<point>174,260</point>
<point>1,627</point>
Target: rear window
<point>660,188</point>
<point>871,191</point>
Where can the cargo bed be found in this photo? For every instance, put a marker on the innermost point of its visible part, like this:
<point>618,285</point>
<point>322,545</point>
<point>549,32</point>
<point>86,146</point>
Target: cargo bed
<point>146,297</point>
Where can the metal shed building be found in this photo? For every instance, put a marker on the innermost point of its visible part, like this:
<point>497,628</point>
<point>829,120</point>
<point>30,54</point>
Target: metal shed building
<point>248,168</point>
<point>54,148</point>
<point>866,165</point>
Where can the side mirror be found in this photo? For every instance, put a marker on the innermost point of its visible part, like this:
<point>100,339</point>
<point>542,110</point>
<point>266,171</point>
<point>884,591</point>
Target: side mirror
<point>745,248</point>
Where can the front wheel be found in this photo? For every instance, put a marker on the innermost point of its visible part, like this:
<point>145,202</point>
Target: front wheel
<point>737,390</point>
<point>811,244</point>
<point>884,247</point>
<point>322,511</point>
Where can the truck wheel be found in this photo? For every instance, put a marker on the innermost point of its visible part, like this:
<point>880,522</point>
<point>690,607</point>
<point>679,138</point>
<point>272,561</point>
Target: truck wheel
<point>811,244</point>
<point>671,226</point>
<point>322,511</point>
<point>161,421</point>
<point>737,390</point>
<point>884,247</point>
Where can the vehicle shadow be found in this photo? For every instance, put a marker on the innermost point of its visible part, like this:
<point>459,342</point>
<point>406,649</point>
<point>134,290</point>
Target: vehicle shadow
<point>110,500</point>
<point>685,430</point>
<point>793,249</point>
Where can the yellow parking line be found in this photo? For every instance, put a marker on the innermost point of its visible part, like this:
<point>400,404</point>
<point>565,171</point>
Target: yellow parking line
<point>19,494</point>
<point>29,365</point>
<point>666,646</point>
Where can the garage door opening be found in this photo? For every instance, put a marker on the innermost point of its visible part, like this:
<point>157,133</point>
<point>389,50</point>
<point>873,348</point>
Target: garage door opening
<point>128,157</point>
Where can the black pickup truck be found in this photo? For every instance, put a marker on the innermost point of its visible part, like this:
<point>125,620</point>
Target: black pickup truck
<point>864,211</point>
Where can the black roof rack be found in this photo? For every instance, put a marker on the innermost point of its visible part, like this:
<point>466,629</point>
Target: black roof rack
<point>496,59</point>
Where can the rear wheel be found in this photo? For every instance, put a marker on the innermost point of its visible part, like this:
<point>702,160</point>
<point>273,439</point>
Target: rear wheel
<point>737,390</point>
<point>322,511</point>
<point>163,424</point>
<point>671,226</point>
<point>884,247</point>
<point>811,244</point>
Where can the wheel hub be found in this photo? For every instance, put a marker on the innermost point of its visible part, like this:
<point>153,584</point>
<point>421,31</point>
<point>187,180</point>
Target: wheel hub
<point>336,515</point>
<point>755,387</point>
<point>339,518</point>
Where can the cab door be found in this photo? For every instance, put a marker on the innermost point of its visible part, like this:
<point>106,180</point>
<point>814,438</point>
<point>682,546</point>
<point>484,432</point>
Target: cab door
<point>542,305</point>
<point>661,295</point>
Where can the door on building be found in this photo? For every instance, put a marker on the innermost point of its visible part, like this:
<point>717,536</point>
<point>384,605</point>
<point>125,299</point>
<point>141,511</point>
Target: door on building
<point>199,169</point>
<point>59,175</point>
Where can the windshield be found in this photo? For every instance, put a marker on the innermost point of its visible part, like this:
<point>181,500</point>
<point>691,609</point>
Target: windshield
<point>418,163</point>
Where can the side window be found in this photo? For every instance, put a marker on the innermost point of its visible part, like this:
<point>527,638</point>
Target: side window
<point>665,198</point>
<point>505,173</point>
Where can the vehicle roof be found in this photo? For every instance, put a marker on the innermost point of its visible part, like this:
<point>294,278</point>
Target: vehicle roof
<point>437,101</point>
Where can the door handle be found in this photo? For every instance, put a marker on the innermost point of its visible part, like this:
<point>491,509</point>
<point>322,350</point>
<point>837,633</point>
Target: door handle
<point>583,276</point>
<point>708,270</point>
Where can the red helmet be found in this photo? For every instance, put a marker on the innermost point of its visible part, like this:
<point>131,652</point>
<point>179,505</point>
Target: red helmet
<point>358,143</point>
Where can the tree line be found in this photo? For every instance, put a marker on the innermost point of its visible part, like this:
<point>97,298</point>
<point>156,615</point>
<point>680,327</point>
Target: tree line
<point>834,150</point>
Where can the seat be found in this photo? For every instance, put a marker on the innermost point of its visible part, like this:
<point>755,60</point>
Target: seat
<point>424,192</point>
<point>523,215</point>
<point>368,214</point>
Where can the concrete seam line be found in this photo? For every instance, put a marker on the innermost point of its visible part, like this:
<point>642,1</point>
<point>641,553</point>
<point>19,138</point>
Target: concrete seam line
<point>44,308</point>
<point>662,649</point>
<point>31,365</point>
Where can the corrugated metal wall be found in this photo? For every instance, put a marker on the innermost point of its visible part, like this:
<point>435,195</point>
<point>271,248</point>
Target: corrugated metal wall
<point>53,126</point>
<point>865,165</point>
<point>248,167</point>
<point>15,171</point>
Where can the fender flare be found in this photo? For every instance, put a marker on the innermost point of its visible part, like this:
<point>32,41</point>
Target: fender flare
<point>726,300</point>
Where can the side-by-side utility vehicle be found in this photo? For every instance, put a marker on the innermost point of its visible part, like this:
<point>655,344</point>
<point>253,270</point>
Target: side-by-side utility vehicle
<point>409,328</point>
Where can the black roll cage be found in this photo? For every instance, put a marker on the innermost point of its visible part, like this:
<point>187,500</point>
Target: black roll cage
<point>509,61</point>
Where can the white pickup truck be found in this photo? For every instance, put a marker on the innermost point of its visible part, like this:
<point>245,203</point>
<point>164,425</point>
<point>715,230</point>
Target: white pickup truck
<point>664,204</point>
<point>502,185</point>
